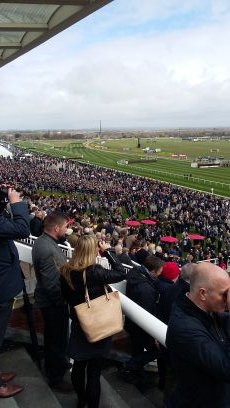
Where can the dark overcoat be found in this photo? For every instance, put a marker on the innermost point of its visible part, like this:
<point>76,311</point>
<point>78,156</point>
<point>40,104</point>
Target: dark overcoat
<point>11,281</point>
<point>96,277</point>
<point>141,289</point>
<point>199,346</point>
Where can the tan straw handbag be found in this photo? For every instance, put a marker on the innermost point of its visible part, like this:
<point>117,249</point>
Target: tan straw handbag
<point>100,317</point>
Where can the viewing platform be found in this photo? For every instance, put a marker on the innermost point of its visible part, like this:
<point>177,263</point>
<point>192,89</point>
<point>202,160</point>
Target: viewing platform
<point>116,391</point>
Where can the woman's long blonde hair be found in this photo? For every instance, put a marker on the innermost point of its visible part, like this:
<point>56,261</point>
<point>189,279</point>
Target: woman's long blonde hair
<point>84,255</point>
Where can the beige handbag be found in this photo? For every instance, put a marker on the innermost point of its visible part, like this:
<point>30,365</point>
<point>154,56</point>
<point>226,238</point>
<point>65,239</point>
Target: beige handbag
<point>100,317</point>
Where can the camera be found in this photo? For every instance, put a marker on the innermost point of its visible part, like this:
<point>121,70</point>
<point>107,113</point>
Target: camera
<point>3,196</point>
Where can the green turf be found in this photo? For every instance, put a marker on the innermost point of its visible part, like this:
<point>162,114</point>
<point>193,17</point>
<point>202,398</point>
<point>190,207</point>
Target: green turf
<point>170,146</point>
<point>166,169</point>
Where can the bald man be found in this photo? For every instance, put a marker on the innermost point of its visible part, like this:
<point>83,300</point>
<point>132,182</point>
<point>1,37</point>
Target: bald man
<point>198,340</point>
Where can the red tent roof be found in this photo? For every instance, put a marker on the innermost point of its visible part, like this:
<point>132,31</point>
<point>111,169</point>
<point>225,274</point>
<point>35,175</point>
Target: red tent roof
<point>168,238</point>
<point>132,223</point>
<point>149,222</point>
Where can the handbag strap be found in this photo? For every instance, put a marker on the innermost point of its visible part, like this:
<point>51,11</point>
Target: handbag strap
<point>87,298</point>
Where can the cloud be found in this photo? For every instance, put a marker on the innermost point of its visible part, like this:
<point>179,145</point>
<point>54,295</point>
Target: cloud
<point>134,11</point>
<point>177,77</point>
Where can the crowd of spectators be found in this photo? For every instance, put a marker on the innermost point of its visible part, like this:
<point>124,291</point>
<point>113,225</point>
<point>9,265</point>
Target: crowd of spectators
<point>97,203</point>
<point>101,199</point>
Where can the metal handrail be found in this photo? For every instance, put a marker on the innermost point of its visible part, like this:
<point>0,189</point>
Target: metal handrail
<point>141,317</point>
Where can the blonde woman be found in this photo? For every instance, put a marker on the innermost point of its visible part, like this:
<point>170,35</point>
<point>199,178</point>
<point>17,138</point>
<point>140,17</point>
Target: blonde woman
<point>88,357</point>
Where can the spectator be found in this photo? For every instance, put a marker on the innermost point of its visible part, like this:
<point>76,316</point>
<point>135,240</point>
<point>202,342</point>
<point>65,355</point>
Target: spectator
<point>151,248</point>
<point>130,239</point>
<point>11,281</point>
<point>183,209</point>
<point>72,239</point>
<point>198,341</point>
<point>142,289</point>
<point>36,224</point>
<point>124,257</point>
<point>47,259</point>
<point>168,295</point>
<point>159,252</point>
<point>87,355</point>
<point>142,252</point>
<point>181,287</point>
<point>166,279</point>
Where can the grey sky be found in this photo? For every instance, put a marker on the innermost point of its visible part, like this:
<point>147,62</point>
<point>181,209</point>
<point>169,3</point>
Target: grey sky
<point>131,64</point>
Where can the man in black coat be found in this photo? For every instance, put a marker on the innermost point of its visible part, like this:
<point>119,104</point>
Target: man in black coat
<point>165,281</point>
<point>198,340</point>
<point>180,287</point>
<point>141,288</point>
<point>11,282</point>
<point>168,295</point>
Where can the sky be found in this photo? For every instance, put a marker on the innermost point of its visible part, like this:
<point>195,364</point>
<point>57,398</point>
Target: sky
<point>132,64</point>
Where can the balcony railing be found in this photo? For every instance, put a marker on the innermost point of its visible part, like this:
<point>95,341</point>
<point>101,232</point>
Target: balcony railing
<point>141,317</point>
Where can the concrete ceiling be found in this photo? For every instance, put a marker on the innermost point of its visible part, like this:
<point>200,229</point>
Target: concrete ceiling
<point>26,24</point>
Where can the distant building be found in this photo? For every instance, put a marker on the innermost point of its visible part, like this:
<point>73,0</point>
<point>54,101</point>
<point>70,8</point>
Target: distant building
<point>206,161</point>
<point>151,151</point>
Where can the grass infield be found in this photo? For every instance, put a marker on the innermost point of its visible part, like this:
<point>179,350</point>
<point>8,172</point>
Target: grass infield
<point>111,153</point>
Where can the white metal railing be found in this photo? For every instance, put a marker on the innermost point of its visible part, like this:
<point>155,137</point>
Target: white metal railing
<point>68,251</point>
<point>213,260</point>
<point>141,317</point>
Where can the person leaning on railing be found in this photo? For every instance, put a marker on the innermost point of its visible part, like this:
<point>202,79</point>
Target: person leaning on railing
<point>15,226</point>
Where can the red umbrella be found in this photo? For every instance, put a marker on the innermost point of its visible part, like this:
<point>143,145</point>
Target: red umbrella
<point>196,237</point>
<point>70,221</point>
<point>168,238</point>
<point>149,222</point>
<point>132,223</point>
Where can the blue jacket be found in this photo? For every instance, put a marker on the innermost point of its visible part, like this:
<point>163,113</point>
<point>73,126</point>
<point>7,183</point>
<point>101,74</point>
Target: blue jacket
<point>16,228</point>
<point>199,348</point>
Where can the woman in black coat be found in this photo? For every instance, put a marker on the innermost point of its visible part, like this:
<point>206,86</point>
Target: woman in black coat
<point>87,356</point>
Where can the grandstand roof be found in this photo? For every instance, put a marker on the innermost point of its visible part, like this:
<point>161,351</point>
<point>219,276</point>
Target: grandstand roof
<point>26,24</point>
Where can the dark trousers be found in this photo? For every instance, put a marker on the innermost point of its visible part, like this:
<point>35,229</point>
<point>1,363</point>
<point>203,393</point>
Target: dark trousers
<point>143,351</point>
<point>5,312</point>
<point>56,319</point>
<point>88,390</point>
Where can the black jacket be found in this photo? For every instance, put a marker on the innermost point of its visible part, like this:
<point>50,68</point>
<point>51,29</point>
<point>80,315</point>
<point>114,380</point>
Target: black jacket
<point>96,277</point>
<point>163,285</point>
<point>180,287</point>
<point>199,347</point>
<point>36,226</point>
<point>168,295</point>
<point>141,288</point>
<point>11,282</point>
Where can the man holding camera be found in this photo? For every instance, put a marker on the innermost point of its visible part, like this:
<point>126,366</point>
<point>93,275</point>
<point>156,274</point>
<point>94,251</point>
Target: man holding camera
<point>11,281</point>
